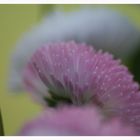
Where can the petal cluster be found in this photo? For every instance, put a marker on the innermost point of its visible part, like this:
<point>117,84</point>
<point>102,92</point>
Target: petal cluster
<point>107,29</point>
<point>79,75</point>
<point>66,121</point>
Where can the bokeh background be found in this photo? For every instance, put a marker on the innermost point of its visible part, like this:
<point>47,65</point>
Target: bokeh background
<point>14,20</point>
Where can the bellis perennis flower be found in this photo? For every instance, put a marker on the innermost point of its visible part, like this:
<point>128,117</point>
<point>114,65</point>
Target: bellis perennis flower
<point>66,121</point>
<point>77,74</point>
<point>107,29</point>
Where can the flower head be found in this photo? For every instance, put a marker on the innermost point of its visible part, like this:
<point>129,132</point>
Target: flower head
<point>77,74</point>
<point>66,121</point>
<point>107,29</point>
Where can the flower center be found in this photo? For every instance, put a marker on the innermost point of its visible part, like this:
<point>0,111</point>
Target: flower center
<point>54,100</point>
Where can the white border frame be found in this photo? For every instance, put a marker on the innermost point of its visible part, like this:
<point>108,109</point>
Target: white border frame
<point>71,138</point>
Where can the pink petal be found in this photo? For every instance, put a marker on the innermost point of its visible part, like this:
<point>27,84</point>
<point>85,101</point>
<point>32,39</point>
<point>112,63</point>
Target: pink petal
<point>82,121</point>
<point>79,73</point>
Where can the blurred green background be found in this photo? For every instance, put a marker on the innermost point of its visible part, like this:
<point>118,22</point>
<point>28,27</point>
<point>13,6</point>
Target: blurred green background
<point>14,20</point>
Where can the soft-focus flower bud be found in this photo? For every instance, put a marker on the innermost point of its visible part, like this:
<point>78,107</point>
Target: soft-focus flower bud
<point>73,121</point>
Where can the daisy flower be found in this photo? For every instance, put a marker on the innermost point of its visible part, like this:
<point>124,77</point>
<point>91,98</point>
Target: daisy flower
<point>103,28</point>
<point>72,73</point>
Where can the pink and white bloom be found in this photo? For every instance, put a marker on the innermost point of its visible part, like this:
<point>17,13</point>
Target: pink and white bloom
<point>79,75</point>
<point>107,29</point>
<point>70,121</point>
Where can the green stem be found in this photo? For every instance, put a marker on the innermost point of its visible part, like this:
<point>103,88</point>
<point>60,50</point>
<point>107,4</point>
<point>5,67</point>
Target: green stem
<point>1,125</point>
